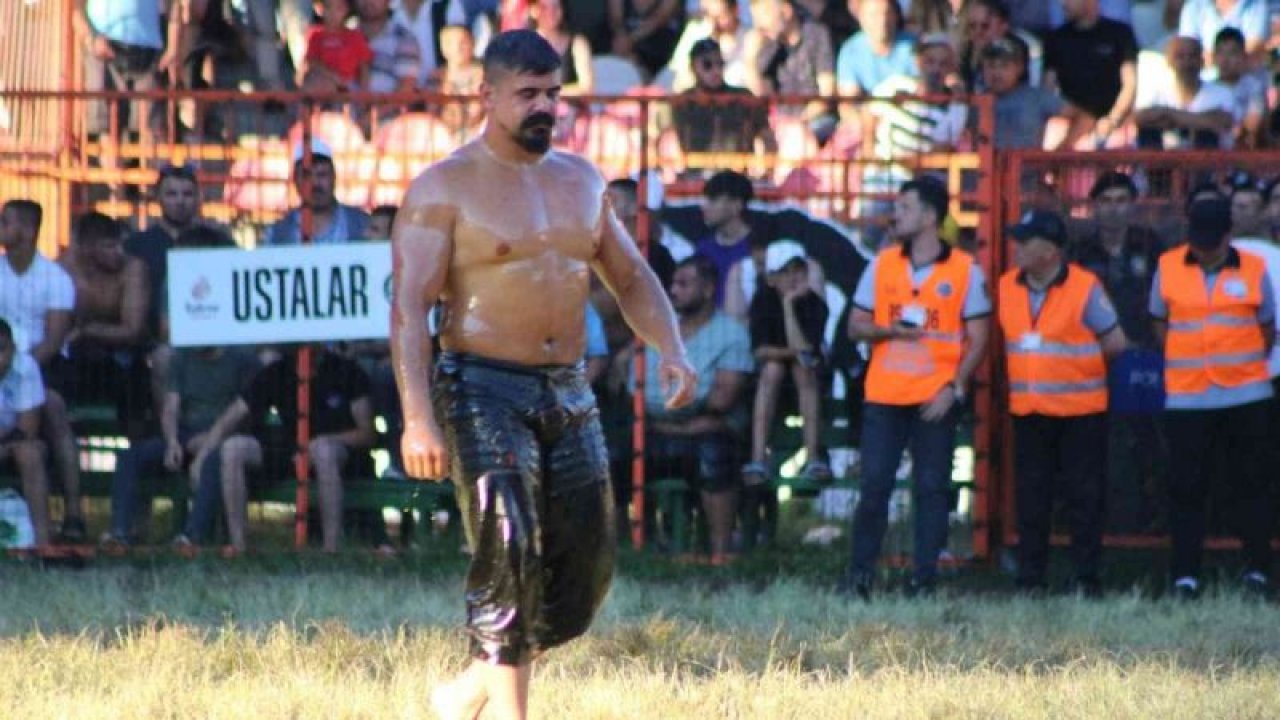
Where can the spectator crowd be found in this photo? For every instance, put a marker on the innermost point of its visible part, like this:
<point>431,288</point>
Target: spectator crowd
<point>1105,322</point>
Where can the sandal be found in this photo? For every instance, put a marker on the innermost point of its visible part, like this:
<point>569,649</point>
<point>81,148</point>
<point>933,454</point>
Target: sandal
<point>754,474</point>
<point>73,531</point>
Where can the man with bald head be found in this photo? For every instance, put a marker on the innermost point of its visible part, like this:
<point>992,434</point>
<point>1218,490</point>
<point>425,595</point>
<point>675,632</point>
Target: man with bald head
<point>1185,111</point>
<point>505,233</point>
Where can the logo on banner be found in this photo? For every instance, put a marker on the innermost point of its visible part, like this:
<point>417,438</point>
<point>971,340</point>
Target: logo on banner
<point>197,306</point>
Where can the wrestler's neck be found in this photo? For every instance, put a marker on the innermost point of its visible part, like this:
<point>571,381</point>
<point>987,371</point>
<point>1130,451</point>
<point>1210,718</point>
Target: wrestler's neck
<point>502,149</point>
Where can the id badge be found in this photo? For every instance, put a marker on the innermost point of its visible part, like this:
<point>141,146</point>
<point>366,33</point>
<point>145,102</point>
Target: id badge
<point>913,316</point>
<point>1031,342</point>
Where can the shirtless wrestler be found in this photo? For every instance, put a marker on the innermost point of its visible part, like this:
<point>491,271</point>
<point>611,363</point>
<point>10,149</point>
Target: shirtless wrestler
<point>505,233</point>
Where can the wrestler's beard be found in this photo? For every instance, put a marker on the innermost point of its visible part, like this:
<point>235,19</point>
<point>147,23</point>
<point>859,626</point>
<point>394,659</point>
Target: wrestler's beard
<point>534,133</point>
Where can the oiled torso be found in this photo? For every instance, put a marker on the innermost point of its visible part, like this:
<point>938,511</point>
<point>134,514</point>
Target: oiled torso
<point>523,238</point>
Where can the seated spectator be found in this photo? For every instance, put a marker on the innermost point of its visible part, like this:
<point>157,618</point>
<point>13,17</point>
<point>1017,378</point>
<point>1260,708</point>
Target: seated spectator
<point>394,55</point>
<point>982,23</point>
<point>927,17</point>
<point>548,19</point>
<point>645,31</point>
<point>37,300</point>
<point>721,22</point>
<point>1249,89</point>
<point>202,382</point>
<point>1204,19</point>
<point>331,221</point>
<point>708,120</point>
<point>787,321</point>
<point>1185,111</point>
<point>21,397</point>
<point>381,220</point>
<point>124,48</point>
<point>880,51</point>
<point>725,197</point>
<point>341,416</point>
<point>1093,62</point>
<point>105,359</point>
<point>1021,109</point>
<point>786,53</point>
<point>834,15</point>
<point>461,75</point>
<point>700,443</point>
<point>338,58</point>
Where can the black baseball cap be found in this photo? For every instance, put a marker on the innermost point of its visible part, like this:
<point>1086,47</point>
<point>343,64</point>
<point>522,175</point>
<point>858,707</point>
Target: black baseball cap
<point>1040,224</point>
<point>705,46</point>
<point>1009,46</point>
<point>1209,220</point>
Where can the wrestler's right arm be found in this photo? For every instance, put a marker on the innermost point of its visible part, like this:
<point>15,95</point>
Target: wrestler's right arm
<point>421,245</point>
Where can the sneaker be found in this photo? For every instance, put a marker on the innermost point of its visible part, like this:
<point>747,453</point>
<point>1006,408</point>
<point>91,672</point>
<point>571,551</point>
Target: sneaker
<point>1186,588</point>
<point>73,531</point>
<point>183,546</point>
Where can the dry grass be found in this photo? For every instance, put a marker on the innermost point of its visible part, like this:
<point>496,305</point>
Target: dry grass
<point>284,640</point>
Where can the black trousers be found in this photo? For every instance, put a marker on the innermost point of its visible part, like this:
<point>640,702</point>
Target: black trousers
<point>1224,448</point>
<point>1071,451</point>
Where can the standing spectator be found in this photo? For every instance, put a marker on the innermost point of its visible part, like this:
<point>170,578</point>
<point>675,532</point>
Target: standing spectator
<point>1249,88</point>
<point>125,48</point>
<point>722,23</point>
<point>461,75</point>
<point>786,53</point>
<point>725,197</point>
<point>1185,111</point>
<point>645,31</point>
<point>426,18</point>
<point>201,383</point>
<point>1250,233</point>
<point>338,58</point>
<point>1059,328</point>
<point>342,433</point>
<point>1215,313</point>
<point>881,50</point>
<point>924,309</point>
<point>1093,61</point>
<point>1204,19</point>
<point>701,442</point>
<point>395,57</point>
<point>331,221</point>
<point>21,396</point>
<point>1123,254</point>
<point>1022,110</point>
<point>576,75</point>
<point>37,299</point>
<point>787,323</point>
<point>707,119</point>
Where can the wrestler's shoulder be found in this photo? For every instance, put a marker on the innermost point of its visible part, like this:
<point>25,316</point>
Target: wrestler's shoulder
<point>563,161</point>
<point>434,185</point>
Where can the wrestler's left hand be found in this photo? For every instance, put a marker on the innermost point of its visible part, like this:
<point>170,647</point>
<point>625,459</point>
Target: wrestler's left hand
<point>423,451</point>
<point>679,381</point>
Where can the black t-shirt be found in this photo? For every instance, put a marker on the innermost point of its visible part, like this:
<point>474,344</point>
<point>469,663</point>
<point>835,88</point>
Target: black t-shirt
<point>718,124</point>
<point>272,397</point>
<point>1087,62</point>
<point>768,323</point>
<point>1126,277</point>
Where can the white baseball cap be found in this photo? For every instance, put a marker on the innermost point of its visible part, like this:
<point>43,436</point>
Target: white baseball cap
<point>780,253</point>
<point>318,148</point>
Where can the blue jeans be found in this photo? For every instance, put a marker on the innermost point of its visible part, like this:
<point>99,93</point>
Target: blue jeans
<point>886,432</point>
<point>143,459</point>
<point>207,504</point>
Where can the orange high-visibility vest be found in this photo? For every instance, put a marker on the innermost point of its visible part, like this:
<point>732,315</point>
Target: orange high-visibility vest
<point>1212,340</point>
<point>1055,363</point>
<point>906,372</point>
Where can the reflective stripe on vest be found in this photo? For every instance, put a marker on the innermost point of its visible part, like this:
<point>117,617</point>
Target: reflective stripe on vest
<point>911,372</point>
<point>1063,372</point>
<point>1213,339</point>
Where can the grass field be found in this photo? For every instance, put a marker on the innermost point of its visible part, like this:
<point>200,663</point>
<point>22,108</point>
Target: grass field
<point>299,636</point>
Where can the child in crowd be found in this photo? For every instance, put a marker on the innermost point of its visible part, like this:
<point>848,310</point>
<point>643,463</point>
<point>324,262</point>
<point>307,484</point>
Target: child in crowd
<point>461,75</point>
<point>1022,110</point>
<point>337,57</point>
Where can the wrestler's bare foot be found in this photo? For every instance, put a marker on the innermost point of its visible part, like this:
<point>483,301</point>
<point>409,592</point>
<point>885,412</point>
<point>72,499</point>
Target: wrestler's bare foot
<point>462,698</point>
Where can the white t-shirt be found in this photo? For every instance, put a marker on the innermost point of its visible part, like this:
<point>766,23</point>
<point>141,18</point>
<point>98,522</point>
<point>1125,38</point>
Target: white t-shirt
<point>423,28</point>
<point>1270,255</point>
<point>21,389</point>
<point>25,298</point>
<point>1211,96</point>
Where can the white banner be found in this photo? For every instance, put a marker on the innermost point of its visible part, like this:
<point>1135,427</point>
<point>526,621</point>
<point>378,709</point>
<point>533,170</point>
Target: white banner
<point>279,294</point>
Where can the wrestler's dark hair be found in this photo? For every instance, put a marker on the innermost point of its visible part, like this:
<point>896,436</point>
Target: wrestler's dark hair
<point>932,193</point>
<point>524,52</point>
<point>29,213</point>
<point>703,266</point>
<point>95,226</point>
<point>1112,180</point>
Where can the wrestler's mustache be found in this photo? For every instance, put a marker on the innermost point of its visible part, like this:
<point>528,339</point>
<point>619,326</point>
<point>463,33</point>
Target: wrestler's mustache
<point>538,120</point>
